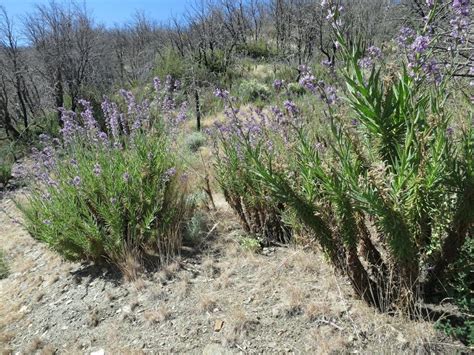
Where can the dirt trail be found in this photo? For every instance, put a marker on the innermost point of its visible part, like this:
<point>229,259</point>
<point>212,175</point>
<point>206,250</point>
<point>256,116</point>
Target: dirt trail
<point>220,301</point>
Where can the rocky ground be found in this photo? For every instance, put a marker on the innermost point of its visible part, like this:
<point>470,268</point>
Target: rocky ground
<point>215,299</point>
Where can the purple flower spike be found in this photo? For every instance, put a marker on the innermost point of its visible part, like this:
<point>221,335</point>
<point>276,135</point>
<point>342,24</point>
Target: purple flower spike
<point>76,181</point>
<point>420,44</point>
<point>291,107</point>
<point>97,169</point>
<point>222,94</point>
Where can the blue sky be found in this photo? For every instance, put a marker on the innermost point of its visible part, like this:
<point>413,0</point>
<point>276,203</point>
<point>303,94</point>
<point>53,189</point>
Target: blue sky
<point>108,12</point>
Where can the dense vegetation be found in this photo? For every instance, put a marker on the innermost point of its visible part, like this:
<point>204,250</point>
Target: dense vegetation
<point>355,135</point>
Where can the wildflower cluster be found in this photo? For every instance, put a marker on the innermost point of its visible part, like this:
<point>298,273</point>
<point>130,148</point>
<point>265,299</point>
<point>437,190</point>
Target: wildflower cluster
<point>388,197</point>
<point>102,195</point>
<point>269,132</point>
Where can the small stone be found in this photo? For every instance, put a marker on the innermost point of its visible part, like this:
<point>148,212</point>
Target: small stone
<point>98,352</point>
<point>218,324</point>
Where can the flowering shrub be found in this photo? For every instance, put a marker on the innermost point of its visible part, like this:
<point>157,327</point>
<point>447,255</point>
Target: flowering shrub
<point>252,90</point>
<point>114,194</point>
<point>260,215</point>
<point>388,191</point>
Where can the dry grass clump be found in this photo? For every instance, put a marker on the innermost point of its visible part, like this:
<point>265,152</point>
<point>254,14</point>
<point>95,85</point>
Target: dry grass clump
<point>327,340</point>
<point>238,325</point>
<point>209,266</point>
<point>294,304</point>
<point>37,345</point>
<point>305,261</point>
<point>225,280</point>
<point>184,287</point>
<point>169,271</point>
<point>93,318</point>
<point>159,315</point>
<point>139,284</point>
<point>207,303</point>
<point>130,266</point>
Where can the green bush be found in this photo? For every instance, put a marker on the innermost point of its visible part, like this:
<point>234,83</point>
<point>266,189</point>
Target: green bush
<point>388,191</point>
<point>170,63</point>
<point>296,89</point>
<point>3,266</point>
<point>260,216</point>
<point>257,49</point>
<point>250,244</point>
<point>194,141</point>
<point>459,287</point>
<point>252,90</point>
<point>5,171</point>
<point>109,197</point>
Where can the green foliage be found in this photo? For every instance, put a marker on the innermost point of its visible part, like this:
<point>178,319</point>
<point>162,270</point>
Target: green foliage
<point>460,287</point>
<point>296,89</point>
<point>252,90</point>
<point>250,244</point>
<point>260,215</point>
<point>257,49</point>
<point>6,165</point>
<point>194,141</point>
<point>110,203</point>
<point>196,228</point>
<point>170,63</point>
<point>389,195</point>
<point>3,266</point>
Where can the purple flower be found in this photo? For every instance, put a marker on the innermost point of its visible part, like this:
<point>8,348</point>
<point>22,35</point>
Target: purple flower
<point>97,169</point>
<point>76,181</point>
<point>459,28</point>
<point>222,94</point>
<point>112,117</point>
<point>168,174</point>
<point>87,116</point>
<point>431,69</point>
<point>405,36</point>
<point>461,7</point>
<point>374,52</point>
<point>327,63</point>
<point>430,3</point>
<point>420,44</point>
<point>126,177</point>
<point>365,63</point>
<point>331,94</point>
<point>103,137</point>
<point>278,84</point>
<point>291,107</point>
<point>308,82</point>
<point>157,84</point>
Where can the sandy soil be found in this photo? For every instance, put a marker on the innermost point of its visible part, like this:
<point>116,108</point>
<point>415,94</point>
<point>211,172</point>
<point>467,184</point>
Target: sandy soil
<point>219,299</point>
